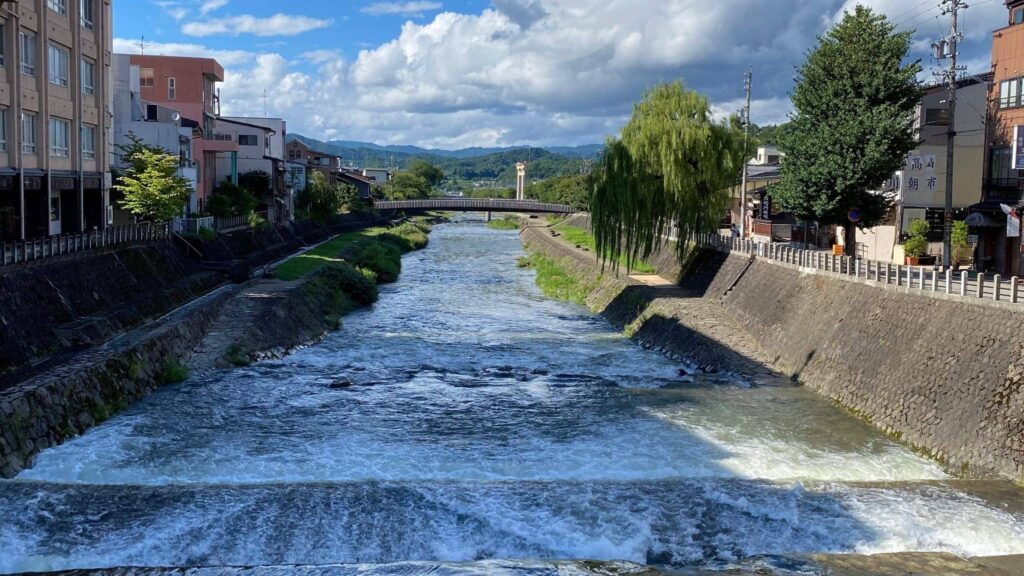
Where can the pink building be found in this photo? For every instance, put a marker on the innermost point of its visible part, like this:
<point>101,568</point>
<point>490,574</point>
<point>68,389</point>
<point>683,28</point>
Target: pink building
<point>190,86</point>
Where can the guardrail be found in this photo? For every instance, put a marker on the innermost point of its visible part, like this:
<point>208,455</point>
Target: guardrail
<point>926,279</point>
<point>235,223</point>
<point>29,250</point>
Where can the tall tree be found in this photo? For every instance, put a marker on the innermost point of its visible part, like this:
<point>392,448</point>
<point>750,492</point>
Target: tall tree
<point>432,174</point>
<point>320,201</point>
<point>151,186</point>
<point>406,185</point>
<point>673,168</point>
<point>852,125</point>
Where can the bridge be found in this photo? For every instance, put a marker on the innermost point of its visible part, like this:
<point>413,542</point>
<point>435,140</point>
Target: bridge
<point>475,205</point>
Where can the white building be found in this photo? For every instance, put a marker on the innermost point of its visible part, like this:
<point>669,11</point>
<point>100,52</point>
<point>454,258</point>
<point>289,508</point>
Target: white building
<point>380,175</point>
<point>152,124</point>
<point>261,148</point>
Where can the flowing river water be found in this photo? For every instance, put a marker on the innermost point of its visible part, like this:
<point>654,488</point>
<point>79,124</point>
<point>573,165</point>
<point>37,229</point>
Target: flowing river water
<point>483,421</point>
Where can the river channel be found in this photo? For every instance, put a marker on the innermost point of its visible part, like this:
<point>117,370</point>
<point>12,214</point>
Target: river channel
<point>468,417</point>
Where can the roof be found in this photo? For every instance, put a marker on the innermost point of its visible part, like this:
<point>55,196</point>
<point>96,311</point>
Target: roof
<point>240,123</point>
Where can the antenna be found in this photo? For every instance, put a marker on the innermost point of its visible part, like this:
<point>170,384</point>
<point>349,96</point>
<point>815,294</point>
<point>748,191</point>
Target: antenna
<point>142,45</point>
<point>264,102</point>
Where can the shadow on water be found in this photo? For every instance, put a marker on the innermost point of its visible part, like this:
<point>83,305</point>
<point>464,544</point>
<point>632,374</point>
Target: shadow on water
<point>478,420</point>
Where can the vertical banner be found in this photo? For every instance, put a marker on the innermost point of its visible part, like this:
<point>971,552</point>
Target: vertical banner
<point>1018,147</point>
<point>1012,221</point>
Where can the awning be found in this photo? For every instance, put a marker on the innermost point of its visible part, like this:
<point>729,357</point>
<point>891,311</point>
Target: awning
<point>981,220</point>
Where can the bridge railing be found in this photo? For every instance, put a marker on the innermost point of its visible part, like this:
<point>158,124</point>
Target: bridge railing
<point>474,204</point>
<point>923,279</point>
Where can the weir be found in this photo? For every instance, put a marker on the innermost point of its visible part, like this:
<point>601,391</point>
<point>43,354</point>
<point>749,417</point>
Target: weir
<point>466,417</point>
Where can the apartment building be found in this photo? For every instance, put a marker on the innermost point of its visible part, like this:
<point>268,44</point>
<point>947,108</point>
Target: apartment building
<point>261,147</point>
<point>189,85</point>
<point>54,126</point>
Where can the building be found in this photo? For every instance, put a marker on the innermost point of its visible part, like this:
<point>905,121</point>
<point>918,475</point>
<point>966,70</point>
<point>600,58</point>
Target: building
<point>919,189</point>
<point>996,249</point>
<point>189,85</point>
<point>327,164</point>
<point>378,175</point>
<point>152,124</point>
<point>54,128</point>
<point>261,148</point>
<point>363,185</point>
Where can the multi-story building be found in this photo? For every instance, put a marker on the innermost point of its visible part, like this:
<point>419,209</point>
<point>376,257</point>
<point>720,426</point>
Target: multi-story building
<point>54,127</point>
<point>261,147</point>
<point>151,124</point>
<point>327,164</point>
<point>189,85</point>
<point>996,249</point>
<point>918,190</point>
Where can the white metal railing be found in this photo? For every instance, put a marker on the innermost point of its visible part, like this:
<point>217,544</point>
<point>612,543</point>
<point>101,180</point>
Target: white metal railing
<point>29,250</point>
<point>926,279</point>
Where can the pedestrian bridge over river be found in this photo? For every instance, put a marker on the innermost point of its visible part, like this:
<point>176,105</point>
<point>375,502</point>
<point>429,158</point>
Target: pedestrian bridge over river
<point>475,205</point>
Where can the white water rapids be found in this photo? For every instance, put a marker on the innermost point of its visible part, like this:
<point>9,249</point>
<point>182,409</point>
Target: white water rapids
<point>483,421</point>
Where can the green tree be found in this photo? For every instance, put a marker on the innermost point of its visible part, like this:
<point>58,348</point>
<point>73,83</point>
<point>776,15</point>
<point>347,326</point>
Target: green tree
<point>852,124</point>
<point>320,201</point>
<point>405,186</point>
<point>257,182</point>
<point>432,174</point>
<point>673,167</point>
<point>230,200</point>
<point>151,186</point>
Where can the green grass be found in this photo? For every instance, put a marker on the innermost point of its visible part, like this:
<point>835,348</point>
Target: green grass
<point>555,282</point>
<point>507,223</point>
<point>580,237</point>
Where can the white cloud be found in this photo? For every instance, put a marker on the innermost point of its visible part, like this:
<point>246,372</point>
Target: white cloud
<point>172,8</point>
<point>225,57</point>
<point>212,5</point>
<point>544,72</point>
<point>276,25</point>
<point>413,8</point>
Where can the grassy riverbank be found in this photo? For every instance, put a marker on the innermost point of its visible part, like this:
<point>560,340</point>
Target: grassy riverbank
<point>584,239</point>
<point>556,281</point>
<point>378,250</point>
<point>506,223</point>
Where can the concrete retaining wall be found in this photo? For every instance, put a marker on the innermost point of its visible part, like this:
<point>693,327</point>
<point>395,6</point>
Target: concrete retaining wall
<point>945,376</point>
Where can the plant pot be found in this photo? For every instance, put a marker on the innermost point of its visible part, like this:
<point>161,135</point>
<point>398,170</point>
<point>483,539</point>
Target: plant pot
<point>913,260</point>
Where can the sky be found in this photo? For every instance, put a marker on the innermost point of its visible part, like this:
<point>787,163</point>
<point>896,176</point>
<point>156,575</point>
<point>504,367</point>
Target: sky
<point>460,73</point>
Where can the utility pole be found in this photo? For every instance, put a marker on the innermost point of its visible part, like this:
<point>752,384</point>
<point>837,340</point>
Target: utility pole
<point>947,48</point>
<point>748,84</point>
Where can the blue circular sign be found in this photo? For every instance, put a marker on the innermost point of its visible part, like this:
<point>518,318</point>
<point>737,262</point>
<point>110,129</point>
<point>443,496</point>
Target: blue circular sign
<point>854,215</point>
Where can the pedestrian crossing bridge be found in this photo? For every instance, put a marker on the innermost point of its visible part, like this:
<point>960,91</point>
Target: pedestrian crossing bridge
<point>475,205</point>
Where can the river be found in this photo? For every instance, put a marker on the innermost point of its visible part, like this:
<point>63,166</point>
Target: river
<point>468,417</point>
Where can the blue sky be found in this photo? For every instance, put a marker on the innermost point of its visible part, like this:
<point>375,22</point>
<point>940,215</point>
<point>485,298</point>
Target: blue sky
<point>456,73</point>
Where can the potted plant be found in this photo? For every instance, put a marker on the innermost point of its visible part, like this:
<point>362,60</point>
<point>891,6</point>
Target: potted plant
<point>916,243</point>
<point>962,251</point>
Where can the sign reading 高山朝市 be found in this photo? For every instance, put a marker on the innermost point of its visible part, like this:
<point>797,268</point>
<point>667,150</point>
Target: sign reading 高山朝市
<point>919,174</point>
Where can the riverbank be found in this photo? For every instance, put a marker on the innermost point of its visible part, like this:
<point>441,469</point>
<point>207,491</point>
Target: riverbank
<point>212,331</point>
<point>959,399</point>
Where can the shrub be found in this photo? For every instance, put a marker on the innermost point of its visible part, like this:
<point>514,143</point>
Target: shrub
<point>230,200</point>
<point>172,372</point>
<point>917,241</point>
<point>206,233</point>
<point>385,260</point>
<point>357,285</point>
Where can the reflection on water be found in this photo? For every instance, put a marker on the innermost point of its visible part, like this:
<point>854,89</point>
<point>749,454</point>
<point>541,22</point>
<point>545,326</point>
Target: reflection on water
<point>466,417</point>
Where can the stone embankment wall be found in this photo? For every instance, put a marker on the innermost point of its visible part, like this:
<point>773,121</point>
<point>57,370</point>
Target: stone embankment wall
<point>946,376</point>
<point>74,302</point>
<point>50,408</point>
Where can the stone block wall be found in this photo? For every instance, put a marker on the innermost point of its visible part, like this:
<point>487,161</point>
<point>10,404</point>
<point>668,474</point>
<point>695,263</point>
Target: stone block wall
<point>48,409</point>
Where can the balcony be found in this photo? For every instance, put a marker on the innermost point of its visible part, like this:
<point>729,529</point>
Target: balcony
<point>1007,190</point>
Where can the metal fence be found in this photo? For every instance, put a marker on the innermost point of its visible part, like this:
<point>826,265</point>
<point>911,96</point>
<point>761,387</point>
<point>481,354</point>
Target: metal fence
<point>241,222</point>
<point>28,250</point>
<point>926,279</point>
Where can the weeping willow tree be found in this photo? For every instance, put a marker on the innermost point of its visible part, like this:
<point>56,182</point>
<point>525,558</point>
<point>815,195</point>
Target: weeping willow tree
<point>672,171</point>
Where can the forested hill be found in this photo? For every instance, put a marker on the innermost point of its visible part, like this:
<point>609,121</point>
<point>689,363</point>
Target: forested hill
<point>498,166</point>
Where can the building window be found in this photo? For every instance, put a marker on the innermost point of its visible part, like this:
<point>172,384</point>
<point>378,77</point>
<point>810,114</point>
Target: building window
<point>28,54</point>
<point>3,130</point>
<point>172,89</point>
<point>146,77</point>
<point>28,133</point>
<point>88,142</point>
<point>3,42</point>
<point>936,117</point>
<point>60,140</point>
<point>86,12</point>
<point>1009,93</point>
<point>58,6</point>
<point>58,65</point>
<point>88,72</point>
<point>1017,16</point>
<point>248,140</point>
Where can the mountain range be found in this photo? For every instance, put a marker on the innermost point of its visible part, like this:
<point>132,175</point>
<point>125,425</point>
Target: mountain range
<point>468,164</point>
